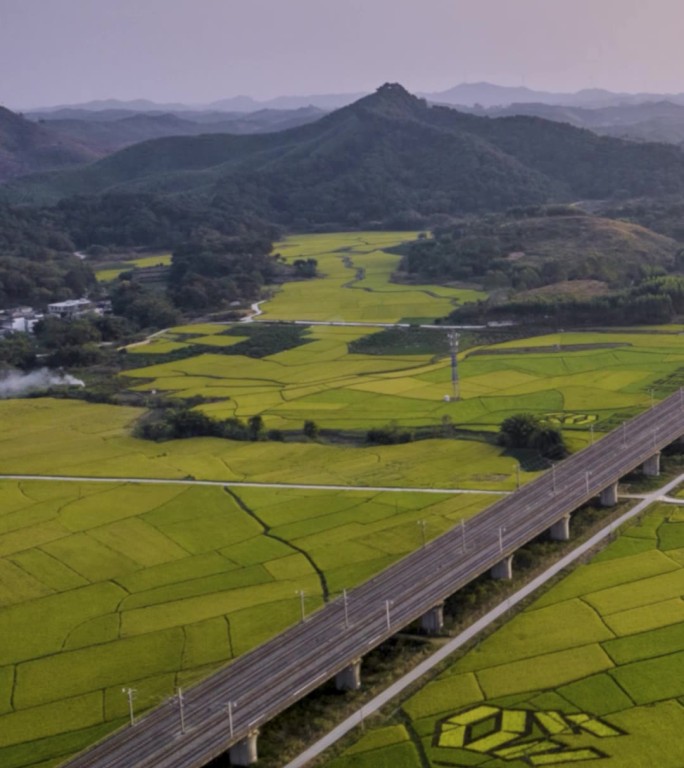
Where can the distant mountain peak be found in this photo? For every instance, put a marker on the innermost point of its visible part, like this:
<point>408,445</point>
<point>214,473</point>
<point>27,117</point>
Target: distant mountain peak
<point>393,90</point>
<point>391,99</point>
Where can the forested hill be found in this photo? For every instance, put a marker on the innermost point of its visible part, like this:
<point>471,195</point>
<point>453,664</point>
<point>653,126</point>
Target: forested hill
<point>535,247</point>
<point>387,158</point>
<point>26,147</point>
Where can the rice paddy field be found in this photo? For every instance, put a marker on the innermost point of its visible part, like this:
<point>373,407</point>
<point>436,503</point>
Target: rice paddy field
<point>54,437</point>
<point>575,379</point>
<point>110,270</point>
<point>592,671</point>
<point>105,585</point>
<point>578,379</point>
<point>111,585</point>
<point>354,282</point>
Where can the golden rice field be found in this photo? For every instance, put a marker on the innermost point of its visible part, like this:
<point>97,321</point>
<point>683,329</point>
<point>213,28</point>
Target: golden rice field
<point>342,293</point>
<point>577,378</point>
<point>600,377</point>
<point>66,437</point>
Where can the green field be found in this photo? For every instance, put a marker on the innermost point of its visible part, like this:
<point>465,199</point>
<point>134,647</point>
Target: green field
<point>67,437</point>
<point>576,379</point>
<point>583,379</point>
<point>594,669</point>
<point>106,585</point>
<point>109,270</point>
<point>355,282</point>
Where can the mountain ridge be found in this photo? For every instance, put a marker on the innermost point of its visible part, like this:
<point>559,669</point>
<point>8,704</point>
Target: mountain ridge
<point>388,154</point>
<point>464,94</point>
<point>27,147</point>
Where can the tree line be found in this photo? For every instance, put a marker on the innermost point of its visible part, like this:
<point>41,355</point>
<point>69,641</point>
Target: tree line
<point>653,300</point>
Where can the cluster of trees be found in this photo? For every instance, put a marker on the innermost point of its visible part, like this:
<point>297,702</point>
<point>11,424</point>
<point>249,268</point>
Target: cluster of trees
<point>533,247</point>
<point>183,421</point>
<point>219,254</point>
<point>57,343</point>
<point>653,300</point>
<point>142,306</point>
<point>37,262</point>
<point>665,216</point>
<point>146,220</point>
<point>18,350</point>
<point>209,273</point>
<point>305,267</point>
<point>390,435</point>
<point>527,431</point>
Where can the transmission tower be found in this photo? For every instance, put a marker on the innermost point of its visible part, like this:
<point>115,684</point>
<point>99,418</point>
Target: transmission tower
<point>453,345</point>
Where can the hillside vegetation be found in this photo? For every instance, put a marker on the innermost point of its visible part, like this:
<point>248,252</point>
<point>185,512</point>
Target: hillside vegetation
<point>214,250</point>
<point>527,249</point>
<point>647,121</point>
<point>105,133</point>
<point>37,261</point>
<point>387,158</point>
<point>28,148</point>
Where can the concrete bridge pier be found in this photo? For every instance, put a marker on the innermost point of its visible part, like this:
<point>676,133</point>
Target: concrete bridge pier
<point>651,467</point>
<point>609,495</point>
<point>560,531</point>
<point>349,678</point>
<point>432,622</point>
<point>245,751</point>
<point>503,569</point>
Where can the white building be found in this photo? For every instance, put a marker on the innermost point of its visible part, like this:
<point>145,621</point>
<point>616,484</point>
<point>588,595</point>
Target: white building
<point>70,308</point>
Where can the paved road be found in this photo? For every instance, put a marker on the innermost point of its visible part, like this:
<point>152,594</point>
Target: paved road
<point>256,311</point>
<point>247,484</point>
<point>359,324</point>
<point>266,681</point>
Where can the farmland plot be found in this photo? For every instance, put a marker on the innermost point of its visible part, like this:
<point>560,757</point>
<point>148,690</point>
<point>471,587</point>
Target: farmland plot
<point>112,585</point>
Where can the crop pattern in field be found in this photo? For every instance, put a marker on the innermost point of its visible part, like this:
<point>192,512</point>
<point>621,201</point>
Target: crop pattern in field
<point>593,670</point>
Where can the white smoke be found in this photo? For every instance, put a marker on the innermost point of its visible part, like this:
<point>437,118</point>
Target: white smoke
<point>15,383</point>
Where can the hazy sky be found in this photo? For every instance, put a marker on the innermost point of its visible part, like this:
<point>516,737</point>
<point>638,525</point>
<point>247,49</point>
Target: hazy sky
<point>66,51</point>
